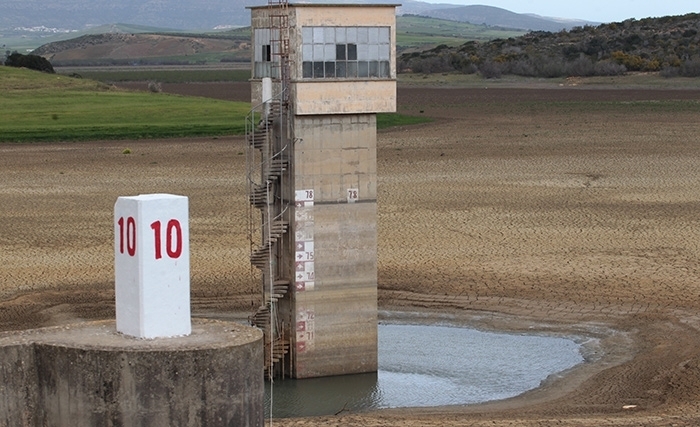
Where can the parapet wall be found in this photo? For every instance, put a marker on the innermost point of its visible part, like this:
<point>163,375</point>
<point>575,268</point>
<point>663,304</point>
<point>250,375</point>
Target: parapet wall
<point>90,375</point>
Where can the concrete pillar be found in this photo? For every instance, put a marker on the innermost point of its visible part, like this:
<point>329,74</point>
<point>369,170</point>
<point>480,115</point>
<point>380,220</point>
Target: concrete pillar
<point>91,375</point>
<point>152,265</point>
<point>335,293</point>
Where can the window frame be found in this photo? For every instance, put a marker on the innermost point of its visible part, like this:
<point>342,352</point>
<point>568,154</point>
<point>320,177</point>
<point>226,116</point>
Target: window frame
<point>350,52</point>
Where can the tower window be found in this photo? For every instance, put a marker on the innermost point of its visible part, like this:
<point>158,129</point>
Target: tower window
<point>266,45</point>
<point>346,52</point>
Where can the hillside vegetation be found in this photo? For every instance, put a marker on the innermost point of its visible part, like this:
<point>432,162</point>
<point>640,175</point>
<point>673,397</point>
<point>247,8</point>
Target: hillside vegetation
<point>669,44</point>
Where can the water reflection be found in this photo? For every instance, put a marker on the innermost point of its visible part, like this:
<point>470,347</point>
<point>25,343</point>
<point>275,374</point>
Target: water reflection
<point>323,396</point>
<point>421,365</point>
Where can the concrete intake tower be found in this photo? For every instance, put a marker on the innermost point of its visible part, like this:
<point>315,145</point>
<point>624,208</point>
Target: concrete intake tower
<point>320,75</point>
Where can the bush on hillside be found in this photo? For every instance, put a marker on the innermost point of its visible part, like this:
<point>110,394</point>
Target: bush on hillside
<point>690,68</point>
<point>491,70</point>
<point>32,62</point>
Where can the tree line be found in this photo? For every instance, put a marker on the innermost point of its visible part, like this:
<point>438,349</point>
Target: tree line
<point>670,45</point>
<point>32,62</point>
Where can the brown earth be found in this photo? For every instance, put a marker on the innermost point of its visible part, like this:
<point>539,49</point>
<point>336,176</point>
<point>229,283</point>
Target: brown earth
<point>119,46</point>
<point>515,209</point>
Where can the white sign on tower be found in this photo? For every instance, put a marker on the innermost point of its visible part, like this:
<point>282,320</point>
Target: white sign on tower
<point>152,265</point>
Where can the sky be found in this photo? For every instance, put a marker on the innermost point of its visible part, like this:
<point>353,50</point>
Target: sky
<point>590,10</point>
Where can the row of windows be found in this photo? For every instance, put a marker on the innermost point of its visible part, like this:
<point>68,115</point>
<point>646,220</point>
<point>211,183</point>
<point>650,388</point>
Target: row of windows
<point>346,43</point>
<point>330,52</point>
<point>344,51</point>
<point>332,35</point>
<point>346,69</point>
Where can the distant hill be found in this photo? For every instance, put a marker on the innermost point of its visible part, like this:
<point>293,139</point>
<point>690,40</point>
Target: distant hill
<point>668,44</point>
<point>119,48</point>
<point>497,17</point>
<point>414,32</point>
<point>56,16</point>
<point>81,14</point>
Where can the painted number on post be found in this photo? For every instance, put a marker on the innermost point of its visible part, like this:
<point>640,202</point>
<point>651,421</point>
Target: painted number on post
<point>173,237</point>
<point>172,228</point>
<point>127,235</point>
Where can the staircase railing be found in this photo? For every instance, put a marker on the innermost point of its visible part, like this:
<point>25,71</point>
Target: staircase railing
<point>268,174</point>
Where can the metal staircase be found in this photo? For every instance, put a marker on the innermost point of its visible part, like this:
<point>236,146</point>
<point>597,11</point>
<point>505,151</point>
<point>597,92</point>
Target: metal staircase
<point>269,135</point>
<point>268,177</point>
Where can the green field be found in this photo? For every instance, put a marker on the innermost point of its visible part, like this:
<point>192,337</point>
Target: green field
<point>44,107</point>
<point>49,107</point>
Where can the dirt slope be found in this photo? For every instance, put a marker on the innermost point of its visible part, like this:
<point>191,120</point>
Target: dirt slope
<point>119,46</point>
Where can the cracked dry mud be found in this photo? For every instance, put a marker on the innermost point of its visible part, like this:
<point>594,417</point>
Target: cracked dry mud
<point>553,210</point>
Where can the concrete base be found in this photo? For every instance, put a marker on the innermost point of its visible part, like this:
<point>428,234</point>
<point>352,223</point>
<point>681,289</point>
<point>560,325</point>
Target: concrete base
<point>88,375</point>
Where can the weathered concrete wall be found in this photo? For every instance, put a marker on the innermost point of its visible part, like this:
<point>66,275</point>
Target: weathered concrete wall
<point>344,298</point>
<point>334,153</point>
<point>336,313</point>
<point>345,97</point>
<point>18,379</point>
<point>90,375</point>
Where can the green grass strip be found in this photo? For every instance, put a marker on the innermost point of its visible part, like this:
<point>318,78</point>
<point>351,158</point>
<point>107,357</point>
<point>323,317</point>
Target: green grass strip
<point>42,107</point>
<point>387,120</point>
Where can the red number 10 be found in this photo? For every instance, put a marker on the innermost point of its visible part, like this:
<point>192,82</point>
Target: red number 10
<point>173,237</point>
<point>173,226</point>
<point>130,235</point>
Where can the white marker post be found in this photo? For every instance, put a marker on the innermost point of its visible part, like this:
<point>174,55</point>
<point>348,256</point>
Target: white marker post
<point>266,95</point>
<point>152,265</point>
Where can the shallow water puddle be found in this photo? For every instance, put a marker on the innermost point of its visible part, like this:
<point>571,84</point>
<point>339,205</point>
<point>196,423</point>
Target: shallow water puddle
<point>427,365</point>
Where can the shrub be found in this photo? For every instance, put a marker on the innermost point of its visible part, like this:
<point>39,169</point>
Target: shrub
<point>431,64</point>
<point>523,68</point>
<point>462,64</point>
<point>690,68</point>
<point>609,68</point>
<point>670,72</point>
<point>582,67</point>
<point>631,62</point>
<point>155,87</point>
<point>491,70</point>
<point>550,67</point>
<point>32,62</point>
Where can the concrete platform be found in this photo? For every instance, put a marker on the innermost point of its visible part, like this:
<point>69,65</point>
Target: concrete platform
<point>88,374</point>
